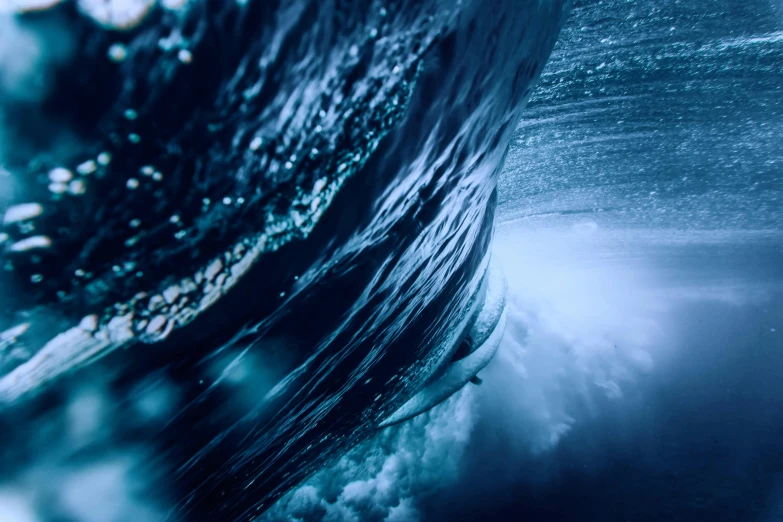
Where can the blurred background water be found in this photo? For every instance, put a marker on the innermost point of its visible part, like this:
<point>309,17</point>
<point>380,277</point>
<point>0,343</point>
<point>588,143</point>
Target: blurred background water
<point>641,225</point>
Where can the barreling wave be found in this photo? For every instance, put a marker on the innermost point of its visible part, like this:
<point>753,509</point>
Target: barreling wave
<point>277,211</point>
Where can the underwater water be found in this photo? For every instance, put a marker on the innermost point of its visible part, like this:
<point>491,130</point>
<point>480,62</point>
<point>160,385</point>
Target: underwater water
<point>240,238</point>
<point>639,227</point>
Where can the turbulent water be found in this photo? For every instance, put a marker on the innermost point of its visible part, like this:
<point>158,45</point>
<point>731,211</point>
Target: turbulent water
<point>656,115</point>
<point>238,235</point>
<point>640,211</point>
<point>641,207</point>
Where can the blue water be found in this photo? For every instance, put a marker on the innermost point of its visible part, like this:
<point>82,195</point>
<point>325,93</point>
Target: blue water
<point>237,236</point>
<point>278,212</point>
<point>639,223</point>
<point>642,199</point>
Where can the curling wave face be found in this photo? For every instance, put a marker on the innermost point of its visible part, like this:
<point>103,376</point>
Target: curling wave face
<point>279,210</point>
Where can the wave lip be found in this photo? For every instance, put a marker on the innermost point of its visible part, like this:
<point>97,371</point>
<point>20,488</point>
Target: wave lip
<point>482,339</point>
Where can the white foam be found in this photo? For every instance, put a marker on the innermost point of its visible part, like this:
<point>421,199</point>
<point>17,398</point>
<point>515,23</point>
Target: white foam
<point>117,14</point>
<point>381,479</point>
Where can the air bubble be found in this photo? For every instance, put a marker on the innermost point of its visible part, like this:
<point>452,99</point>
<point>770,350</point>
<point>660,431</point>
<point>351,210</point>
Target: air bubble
<point>86,168</point>
<point>58,188</point>
<point>31,243</point>
<point>117,52</point>
<point>185,56</point>
<point>22,212</point>
<point>104,158</point>
<point>60,175</point>
<point>77,187</point>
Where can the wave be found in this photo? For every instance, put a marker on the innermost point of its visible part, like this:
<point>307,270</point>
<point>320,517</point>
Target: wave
<point>247,226</point>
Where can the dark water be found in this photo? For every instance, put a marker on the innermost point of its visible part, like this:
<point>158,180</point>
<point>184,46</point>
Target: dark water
<point>237,235</point>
